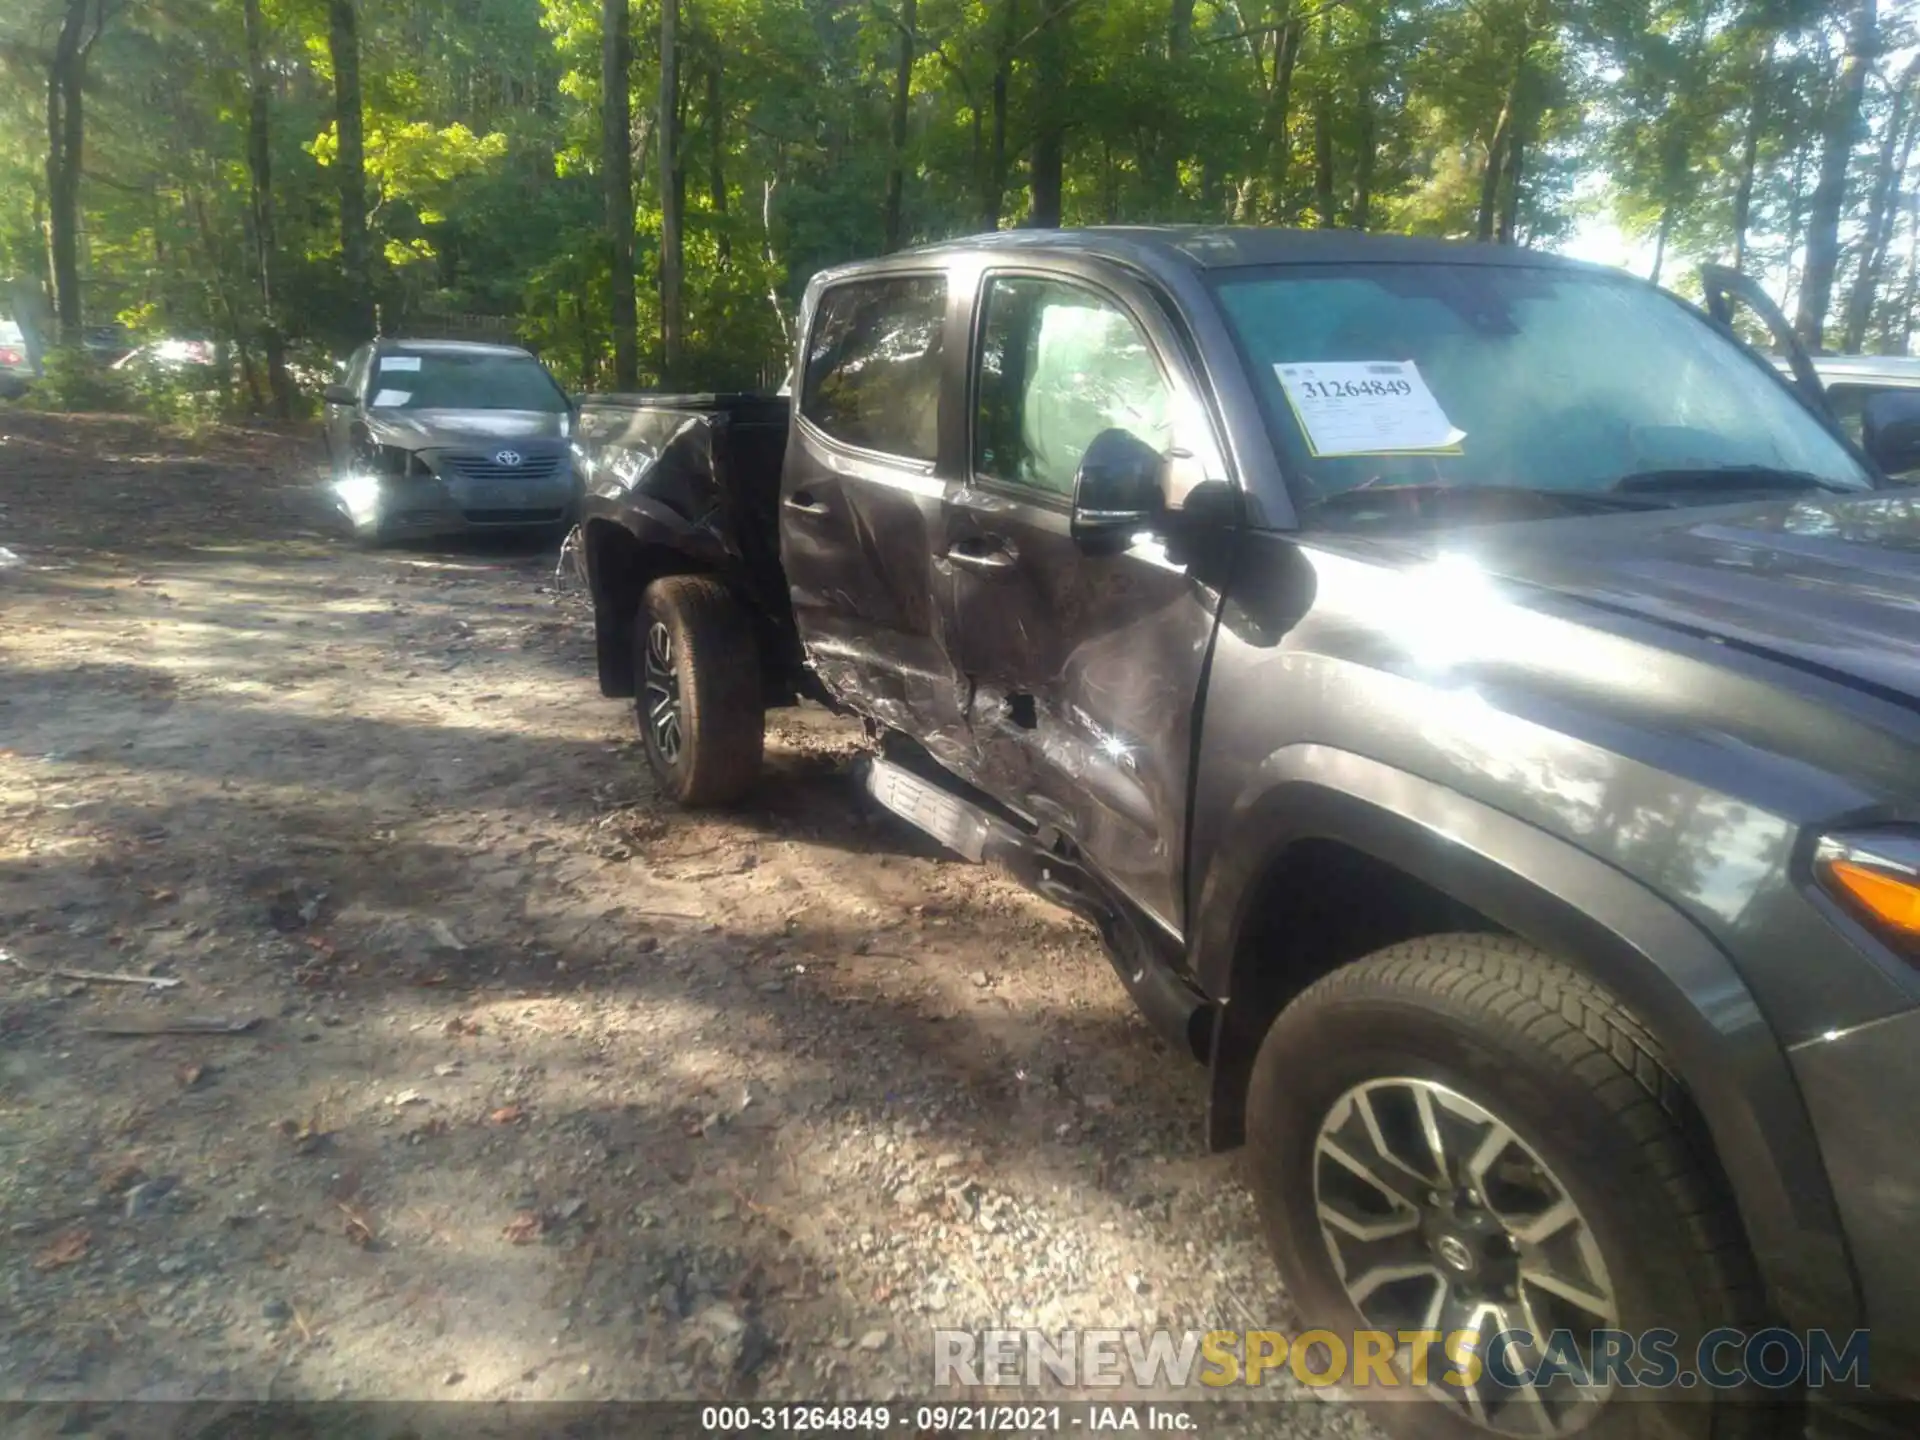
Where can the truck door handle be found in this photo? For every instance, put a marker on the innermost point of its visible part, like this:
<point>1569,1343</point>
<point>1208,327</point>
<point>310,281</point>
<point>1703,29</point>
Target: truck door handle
<point>801,502</point>
<point>982,553</point>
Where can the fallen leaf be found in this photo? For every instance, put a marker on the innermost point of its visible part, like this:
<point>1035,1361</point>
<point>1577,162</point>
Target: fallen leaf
<point>359,1227</point>
<point>66,1248</point>
<point>507,1115</point>
<point>462,1025</point>
<point>121,1178</point>
<point>190,1075</point>
<point>306,1135</point>
<point>524,1228</point>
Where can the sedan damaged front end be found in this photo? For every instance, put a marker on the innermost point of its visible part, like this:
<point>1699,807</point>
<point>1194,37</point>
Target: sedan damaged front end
<point>398,491</point>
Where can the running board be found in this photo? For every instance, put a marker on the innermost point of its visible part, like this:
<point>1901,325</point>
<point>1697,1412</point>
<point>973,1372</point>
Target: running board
<point>946,817</point>
<point>1181,1015</point>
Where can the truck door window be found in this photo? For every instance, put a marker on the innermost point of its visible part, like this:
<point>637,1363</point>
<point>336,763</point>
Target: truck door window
<point>873,365</point>
<point>1057,365</point>
<point>1847,402</point>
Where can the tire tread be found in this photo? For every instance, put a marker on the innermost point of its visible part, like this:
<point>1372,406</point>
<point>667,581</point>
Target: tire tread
<point>723,717</point>
<point>1556,1010</point>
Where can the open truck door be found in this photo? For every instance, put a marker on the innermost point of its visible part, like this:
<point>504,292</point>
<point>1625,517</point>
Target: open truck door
<point>1726,288</point>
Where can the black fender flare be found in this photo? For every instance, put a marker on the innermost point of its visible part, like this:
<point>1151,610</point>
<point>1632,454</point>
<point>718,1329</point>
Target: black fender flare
<point>625,548</point>
<point>1666,969</point>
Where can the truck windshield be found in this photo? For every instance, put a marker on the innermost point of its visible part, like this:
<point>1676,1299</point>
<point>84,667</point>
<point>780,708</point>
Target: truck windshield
<point>1557,383</point>
<point>455,380</point>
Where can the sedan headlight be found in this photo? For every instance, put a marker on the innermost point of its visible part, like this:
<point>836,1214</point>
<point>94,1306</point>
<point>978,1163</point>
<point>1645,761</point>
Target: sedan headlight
<point>389,460</point>
<point>360,493</point>
<point>1875,874</point>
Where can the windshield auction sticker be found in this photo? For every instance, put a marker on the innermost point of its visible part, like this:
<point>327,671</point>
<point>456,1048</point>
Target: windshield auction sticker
<point>1367,407</point>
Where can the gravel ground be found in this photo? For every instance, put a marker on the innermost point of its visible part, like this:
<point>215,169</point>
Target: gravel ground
<point>546,1090</point>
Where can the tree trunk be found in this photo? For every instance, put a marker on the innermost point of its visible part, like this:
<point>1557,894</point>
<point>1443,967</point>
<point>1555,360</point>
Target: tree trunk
<point>350,167</point>
<point>1168,144</point>
<point>1499,143</point>
<point>1047,159</point>
<point>235,328</point>
<point>1660,245</point>
<point>260,168</point>
<point>671,247</point>
<point>1896,148</point>
<point>1757,109</point>
<point>995,179</point>
<point>1513,171</point>
<point>616,169</point>
<point>1279,144</point>
<point>1364,127</point>
<point>1893,341</point>
<point>1838,137</point>
<point>717,153</point>
<point>65,132</point>
<point>897,133</point>
<point>1323,130</point>
<point>766,231</point>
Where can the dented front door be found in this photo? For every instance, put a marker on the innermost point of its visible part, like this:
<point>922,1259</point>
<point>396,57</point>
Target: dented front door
<point>1080,670</point>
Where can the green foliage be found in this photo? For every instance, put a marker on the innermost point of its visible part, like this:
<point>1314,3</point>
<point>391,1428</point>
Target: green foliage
<point>72,381</point>
<point>186,397</point>
<point>483,166</point>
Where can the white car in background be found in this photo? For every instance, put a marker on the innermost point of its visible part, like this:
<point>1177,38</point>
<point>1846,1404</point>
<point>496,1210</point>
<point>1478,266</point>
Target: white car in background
<point>1850,381</point>
<point>16,369</point>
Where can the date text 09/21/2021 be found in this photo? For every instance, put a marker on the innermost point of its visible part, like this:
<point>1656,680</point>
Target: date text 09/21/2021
<point>947,1419</point>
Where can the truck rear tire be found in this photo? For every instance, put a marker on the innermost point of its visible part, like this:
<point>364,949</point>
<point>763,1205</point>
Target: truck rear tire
<point>698,692</point>
<point>1460,1133</point>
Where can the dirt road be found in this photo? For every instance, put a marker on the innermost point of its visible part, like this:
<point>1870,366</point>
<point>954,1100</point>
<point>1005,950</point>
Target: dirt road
<point>545,1089</point>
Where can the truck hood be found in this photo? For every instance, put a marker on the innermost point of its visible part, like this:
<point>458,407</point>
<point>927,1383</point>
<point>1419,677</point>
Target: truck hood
<point>432,429</point>
<point>1829,584</point>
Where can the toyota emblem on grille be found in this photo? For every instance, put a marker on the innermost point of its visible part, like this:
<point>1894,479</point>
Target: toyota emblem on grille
<point>509,458</point>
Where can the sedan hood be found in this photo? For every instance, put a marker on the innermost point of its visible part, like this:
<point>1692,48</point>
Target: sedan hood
<point>1831,584</point>
<point>432,429</point>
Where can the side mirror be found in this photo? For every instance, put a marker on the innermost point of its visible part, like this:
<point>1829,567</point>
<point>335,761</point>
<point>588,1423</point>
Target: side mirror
<point>338,395</point>
<point>1118,489</point>
<point>1890,430</point>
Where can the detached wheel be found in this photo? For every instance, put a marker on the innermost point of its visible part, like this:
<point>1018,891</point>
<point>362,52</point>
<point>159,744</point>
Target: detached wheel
<point>699,701</point>
<point>1461,1134</point>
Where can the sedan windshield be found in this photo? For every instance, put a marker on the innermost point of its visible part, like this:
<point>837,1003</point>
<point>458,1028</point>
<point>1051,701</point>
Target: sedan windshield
<point>1526,381</point>
<point>456,380</point>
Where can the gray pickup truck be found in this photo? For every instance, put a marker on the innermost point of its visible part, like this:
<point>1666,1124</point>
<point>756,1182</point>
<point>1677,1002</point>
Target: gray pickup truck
<point>1474,695</point>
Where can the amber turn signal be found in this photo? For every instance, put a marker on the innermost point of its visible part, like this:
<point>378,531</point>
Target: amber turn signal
<point>1878,878</point>
<point>1894,900</point>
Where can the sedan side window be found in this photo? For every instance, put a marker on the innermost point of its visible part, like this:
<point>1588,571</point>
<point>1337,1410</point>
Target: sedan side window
<point>873,365</point>
<point>1057,365</point>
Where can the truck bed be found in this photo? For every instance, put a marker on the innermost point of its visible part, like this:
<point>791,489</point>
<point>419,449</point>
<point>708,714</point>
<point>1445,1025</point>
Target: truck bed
<point>684,481</point>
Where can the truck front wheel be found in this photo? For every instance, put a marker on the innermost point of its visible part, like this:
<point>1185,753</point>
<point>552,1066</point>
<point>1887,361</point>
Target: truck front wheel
<point>1460,1134</point>
<point>698,702</point>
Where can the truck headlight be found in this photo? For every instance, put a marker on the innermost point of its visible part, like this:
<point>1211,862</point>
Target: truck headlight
<point>1875,874</point>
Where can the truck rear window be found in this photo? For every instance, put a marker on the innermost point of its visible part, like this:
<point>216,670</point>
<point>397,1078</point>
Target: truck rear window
<point>873,364</point>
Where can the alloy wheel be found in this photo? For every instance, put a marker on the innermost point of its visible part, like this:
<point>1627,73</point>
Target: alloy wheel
<point>1439,1217</point>
<point>661,694</point>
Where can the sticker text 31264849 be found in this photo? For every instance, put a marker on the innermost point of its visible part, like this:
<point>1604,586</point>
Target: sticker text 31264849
<point>1367,407</point>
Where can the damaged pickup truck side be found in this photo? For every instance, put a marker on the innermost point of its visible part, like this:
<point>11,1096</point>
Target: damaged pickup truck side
<point>1475,697</point>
